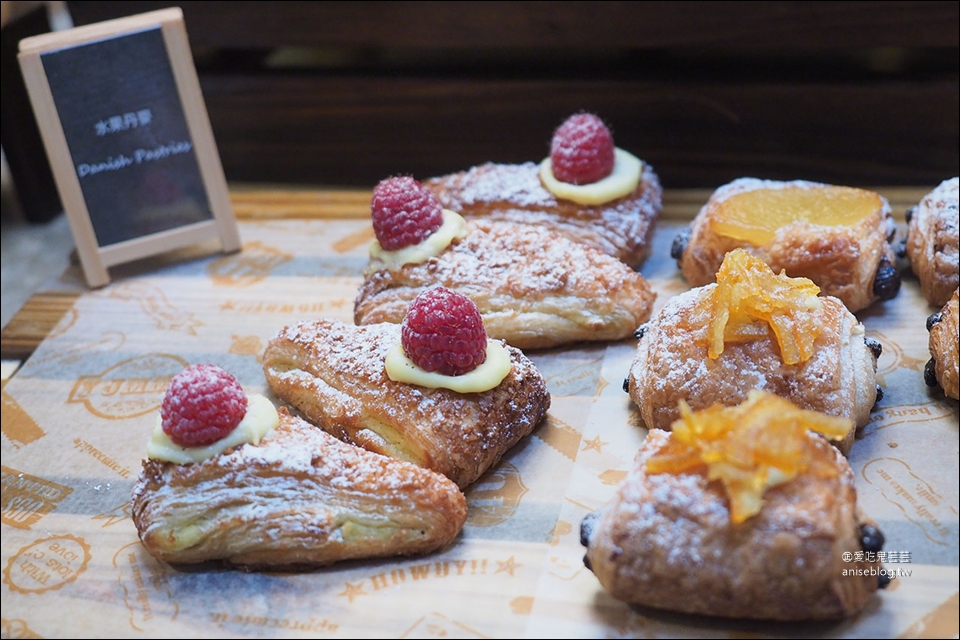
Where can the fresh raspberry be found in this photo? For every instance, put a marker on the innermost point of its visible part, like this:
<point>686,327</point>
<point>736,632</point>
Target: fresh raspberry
<point>581,151</point>
<point>404,212</point>
<point>203,404</point>
<point>443,332</point>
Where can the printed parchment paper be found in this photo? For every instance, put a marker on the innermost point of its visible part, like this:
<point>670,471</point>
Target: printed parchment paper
<point>76,418</point>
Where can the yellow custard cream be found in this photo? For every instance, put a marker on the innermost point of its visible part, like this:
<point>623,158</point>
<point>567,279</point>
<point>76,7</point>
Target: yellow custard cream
<point>485,377</point>
<point>623,180</point>
<point>260,419</point>
<point>454,226</point>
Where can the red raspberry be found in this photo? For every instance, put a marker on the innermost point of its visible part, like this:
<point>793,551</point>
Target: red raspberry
<point>404,212</point>
<point>581,151</point>
<point>443,332</point>
<point>203,404</point>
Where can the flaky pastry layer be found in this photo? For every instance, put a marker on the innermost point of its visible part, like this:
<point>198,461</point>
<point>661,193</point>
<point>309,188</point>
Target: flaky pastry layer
<point>933,242</point>
<point>943,343</point>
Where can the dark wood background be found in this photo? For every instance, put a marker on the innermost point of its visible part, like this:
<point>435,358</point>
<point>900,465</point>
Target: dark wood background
<point>348,93</point>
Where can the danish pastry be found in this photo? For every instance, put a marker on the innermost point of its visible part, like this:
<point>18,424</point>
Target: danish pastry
<point>619,226</point>
<point>671,537</point>
<point>932,242</point>
<point>335,374</point>
<point>296,498</point>
<point>534,287</point>
<point>839,237</point>
<point>754,330</point>
<point>942,369</point>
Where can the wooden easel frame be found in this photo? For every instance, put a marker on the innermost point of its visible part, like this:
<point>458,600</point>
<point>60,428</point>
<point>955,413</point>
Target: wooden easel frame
<point>95,258</point>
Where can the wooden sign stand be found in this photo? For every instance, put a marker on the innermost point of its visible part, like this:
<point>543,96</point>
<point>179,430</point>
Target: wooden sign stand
<point>123,121</point>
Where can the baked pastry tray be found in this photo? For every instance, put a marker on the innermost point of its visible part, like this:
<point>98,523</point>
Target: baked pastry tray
<point>77,415</point>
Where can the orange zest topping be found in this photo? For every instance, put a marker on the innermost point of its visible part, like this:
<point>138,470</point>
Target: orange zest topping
<point>750,300</point>
<point>754,216</point>
<point>757,444</point>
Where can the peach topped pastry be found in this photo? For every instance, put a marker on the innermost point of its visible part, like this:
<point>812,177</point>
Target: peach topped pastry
<point>838,237</point>
<point>434,391</point>
<point>741,512</point>
<point>534,287</point>
<point>587,189</point>
<point>753,329</point>
<point>933,242</point>
<point>230,478</point>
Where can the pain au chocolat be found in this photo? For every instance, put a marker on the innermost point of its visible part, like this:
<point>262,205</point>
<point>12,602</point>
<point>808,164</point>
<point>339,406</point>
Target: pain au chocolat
<point>933,242</point>
<point>942,369</point>
<point>838,237</point>
<point>707,532</point>
<point>754,330</point>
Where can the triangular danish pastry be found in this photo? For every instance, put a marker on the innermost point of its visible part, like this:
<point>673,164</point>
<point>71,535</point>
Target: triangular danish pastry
<point>298,498</point>
<point>334,373</point>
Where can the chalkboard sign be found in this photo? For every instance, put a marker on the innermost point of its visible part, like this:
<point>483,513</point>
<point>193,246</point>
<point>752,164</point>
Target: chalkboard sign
<point>129,140</point>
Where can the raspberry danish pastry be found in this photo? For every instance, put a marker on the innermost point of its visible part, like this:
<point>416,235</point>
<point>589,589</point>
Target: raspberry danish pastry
<point>415,394</point>
<point>534,287</point>
<point>232,479</point>
<point>587,189</point>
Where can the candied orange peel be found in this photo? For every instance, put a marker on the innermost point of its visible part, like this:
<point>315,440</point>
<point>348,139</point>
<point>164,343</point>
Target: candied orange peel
<point>750,300</point>
<point>751,447</point>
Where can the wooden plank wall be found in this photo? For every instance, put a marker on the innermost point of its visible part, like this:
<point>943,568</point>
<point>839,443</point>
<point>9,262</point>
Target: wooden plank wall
<point>347,93</point>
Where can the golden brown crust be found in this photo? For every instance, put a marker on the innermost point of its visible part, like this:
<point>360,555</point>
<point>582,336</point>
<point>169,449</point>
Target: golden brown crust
<point>299,498</point>
<point>514,193</point>
<point>666,541</point>
<point>842,260</point>
<point>944,339</point>
<point>672,364</point>
<point>534,287</point>
<point>933,242</point>
<point>334,374</point>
